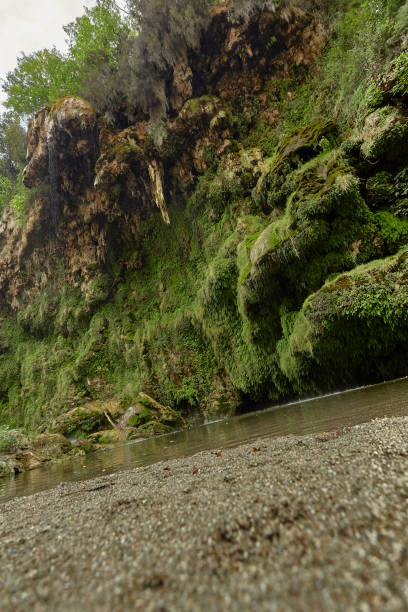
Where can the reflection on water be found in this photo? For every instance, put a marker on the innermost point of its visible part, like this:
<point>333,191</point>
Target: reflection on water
<point>320,414</point>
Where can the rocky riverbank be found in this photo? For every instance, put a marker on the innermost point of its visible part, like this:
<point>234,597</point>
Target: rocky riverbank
<point>296,523</point>
<point>85,429</point>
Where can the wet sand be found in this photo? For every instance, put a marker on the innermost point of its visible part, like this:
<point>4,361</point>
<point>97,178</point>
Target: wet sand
<point>297,523</point>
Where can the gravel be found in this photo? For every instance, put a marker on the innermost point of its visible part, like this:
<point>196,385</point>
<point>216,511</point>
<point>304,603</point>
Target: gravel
<point>296,523</point>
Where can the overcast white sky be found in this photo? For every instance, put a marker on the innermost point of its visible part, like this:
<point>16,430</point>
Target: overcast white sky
<point>29,25</point>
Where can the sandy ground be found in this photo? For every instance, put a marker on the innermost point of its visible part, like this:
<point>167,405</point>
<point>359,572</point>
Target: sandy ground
<point>312,523</point>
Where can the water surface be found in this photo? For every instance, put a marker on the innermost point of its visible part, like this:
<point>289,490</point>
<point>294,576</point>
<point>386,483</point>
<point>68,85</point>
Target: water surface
<point>299,418</point>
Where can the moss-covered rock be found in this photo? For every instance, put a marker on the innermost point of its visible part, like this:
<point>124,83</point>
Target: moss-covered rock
<point>139,417</point>
<point>297,148</point>
<point>353,330</point>
<point>324,217</point>
<point>380,190</point>
<point>391,234</point>
<point>154,428</point>
<point>33,451</point>
<point>80,422</point>
<point>97,290</point>
<point>145,418</point>
<point>145,409</point>
<point>6,469</point>
<point>108,437</point>
<point>393,87</point>
<point>52,444</point>
<point>385,136</point>
<point>73,110</point>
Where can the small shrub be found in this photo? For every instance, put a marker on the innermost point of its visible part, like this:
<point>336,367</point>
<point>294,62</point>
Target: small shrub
<point>400,87</point>
<point>10,439</point>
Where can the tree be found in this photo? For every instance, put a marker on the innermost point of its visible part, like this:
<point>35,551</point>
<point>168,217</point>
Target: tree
<point>12,161</point>
<point>42,77</point>
<point>95,43</point>
<point>12,146</point>
<point>96,36</point>
<point>39,79</point>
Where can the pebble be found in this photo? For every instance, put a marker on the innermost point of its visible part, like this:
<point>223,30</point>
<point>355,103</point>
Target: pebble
<point>315,523</point>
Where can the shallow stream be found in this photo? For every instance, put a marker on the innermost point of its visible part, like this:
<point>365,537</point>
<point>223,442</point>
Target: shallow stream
<point>299,418</point>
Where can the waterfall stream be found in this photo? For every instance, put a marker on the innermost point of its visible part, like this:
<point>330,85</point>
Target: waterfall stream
<point>54,199</point>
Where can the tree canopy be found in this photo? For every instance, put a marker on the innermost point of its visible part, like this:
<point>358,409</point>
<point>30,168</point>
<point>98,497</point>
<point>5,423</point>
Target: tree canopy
<point>42,77</point>
<point>38,79</point>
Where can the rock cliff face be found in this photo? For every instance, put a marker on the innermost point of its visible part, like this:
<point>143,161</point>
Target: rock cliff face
<point>101,180</point>
<point>177,258</point>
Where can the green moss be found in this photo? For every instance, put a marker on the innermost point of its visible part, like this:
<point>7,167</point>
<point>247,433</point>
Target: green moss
<point>352,330</point>
<point>59,103</point>
<point>98,290</point>
<point>154,428</point>
<point>199,105</point>
<point>247,180</point>
<point>400,75</point>
<point>124,151</point>
<point>295,149</point>
<point>309,137</point>
<point>384,136</point>
<point>392,231</point>
<point>380,190</point>
<point>324,216</point>
<point>80,422</point>
<point>139,419</point>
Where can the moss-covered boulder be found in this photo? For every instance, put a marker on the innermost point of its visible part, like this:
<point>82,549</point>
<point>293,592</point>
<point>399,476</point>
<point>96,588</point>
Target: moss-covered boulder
<point>108,437</point>
<point>51,444</point>
<point>385,136</point>
<point>146,410</point>
<point>323,229</point>
<point>33,451</point>
<point>144,418</point>
<point>380,190</point>
<point>84,420</point>
<point>152,428</point>
<point>297,148</point>
<point>353,330</point>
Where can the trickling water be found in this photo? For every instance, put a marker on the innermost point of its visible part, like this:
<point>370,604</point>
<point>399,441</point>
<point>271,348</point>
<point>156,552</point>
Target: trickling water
<point>53,174</point>
<point>305,417</point>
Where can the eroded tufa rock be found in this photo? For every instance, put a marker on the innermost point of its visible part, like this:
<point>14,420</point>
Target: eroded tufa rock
<point>60,127</point>
<point>156,178</point>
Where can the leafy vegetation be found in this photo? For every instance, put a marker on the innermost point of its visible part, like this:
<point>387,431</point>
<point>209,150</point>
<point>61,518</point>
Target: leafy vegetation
<point>10,439</point>
<point>42,77</point>
<point>352,330</point>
